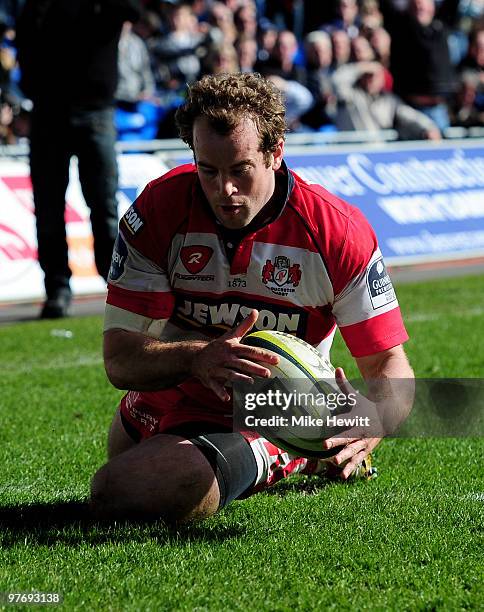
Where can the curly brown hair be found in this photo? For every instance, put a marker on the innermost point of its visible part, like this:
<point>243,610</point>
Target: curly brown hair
<point>225,98</point>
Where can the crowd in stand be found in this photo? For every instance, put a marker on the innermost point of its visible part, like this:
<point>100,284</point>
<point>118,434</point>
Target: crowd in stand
<point>416,66</point>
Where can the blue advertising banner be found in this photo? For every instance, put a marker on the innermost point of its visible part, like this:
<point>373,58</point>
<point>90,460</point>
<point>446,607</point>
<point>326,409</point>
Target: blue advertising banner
<point>424,200</point>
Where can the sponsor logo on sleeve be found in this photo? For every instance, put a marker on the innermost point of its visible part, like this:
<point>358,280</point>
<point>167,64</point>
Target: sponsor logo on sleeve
<point>133,221</point>
<point>118,260</point>
<point>379,285</point>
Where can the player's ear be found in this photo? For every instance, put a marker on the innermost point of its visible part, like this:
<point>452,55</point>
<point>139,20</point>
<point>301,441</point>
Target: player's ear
<point>277,155</point>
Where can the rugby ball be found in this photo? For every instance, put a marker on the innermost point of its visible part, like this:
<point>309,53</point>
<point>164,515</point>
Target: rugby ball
<point>302,371</point>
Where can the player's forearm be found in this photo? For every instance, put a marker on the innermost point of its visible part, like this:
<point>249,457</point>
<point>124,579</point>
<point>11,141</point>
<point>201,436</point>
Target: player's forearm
<point>136,362</point>
<point>392,387</point>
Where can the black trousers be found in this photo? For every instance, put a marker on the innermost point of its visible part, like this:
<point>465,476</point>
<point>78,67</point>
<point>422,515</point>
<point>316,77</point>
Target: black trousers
<point>56,135</point>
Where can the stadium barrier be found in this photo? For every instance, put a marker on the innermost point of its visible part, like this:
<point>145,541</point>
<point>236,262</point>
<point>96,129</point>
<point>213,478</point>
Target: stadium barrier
<point>424,199</point>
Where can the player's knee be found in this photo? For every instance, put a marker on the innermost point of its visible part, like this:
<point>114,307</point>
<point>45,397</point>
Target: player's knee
<point>190,494</point>
<point>100,501</point>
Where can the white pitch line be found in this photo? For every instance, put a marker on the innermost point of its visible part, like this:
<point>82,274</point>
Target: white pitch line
<point>429,316</point>
<point>64,365</point>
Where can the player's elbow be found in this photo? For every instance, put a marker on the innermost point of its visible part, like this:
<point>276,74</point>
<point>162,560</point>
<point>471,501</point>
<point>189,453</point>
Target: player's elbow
<point>117,351</point>
<point>115,373</point>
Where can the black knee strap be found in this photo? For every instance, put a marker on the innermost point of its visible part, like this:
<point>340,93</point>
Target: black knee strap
<point>232,461</point>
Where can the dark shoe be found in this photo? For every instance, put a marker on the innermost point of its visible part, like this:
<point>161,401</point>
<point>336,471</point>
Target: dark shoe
<point>57,307</point>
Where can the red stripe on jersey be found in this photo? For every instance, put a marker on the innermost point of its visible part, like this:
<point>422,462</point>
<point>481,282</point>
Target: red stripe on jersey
<point>365,338</point>
<point>242,255</point>
<point>153,305</point>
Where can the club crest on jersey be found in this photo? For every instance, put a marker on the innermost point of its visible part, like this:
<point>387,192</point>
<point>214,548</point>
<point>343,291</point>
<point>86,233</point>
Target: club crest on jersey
<point>379,285</point>
<point>195,257</point>
<point>281,276</point>
<point>133,220</point>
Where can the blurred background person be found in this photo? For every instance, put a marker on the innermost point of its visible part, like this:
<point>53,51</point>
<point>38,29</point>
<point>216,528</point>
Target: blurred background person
<point>319,59</point>
<point>282,60</point>
<point>68,53</point>
<point>221,59</point>
<point>467,108</point>
<point>246,48</point>
<point>297,100</point>
<point>135,77</point>
<point>245,20</point>
<point>347,17</point>
<point>370,16</point>
<point>138,111</point>
<point>266,39</point>
<point>221,21</point>
<point>175,54</point>
<point>361,49</point>
<point>381,42</point>
<point>421,65</point>
<point>341,48</point>
<point>363,104</point>
<point>474,59</point>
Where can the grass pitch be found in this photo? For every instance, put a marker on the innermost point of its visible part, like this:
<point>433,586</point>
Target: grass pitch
<point>410,540</point>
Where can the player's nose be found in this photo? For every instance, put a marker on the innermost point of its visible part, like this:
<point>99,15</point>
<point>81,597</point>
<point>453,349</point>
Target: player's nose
<point>227,186</point>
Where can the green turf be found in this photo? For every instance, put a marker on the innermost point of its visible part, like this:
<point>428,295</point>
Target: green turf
<point>410,540</point>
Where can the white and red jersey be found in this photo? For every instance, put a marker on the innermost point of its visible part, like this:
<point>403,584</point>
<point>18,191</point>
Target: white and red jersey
<point>176,273</point>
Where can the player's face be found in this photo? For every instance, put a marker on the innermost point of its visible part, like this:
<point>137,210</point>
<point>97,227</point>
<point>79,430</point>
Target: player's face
<point>234,174</point>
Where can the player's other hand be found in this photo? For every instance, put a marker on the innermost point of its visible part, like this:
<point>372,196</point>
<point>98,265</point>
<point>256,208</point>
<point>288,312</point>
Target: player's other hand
<point>226,360</point>
<point>356,445</point>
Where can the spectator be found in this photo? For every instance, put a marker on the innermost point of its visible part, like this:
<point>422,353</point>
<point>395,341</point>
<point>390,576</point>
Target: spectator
<point>297,99</point>
<point>148,27</point>
<point>467,109</point>
<point>475,55</point>
<point>361,49</point>
<point>474,63</point>
<point>245,19</point>
<point>221,18</point>
<point>282,61</point>
<point>9,70</point>
<point>138,112</point>
<point>135,78</point>
<point>7,56</point>
<point>341,48</point>
<point>319,58</point>
<point>381,42</point>
<point>266,39</point>
<point>420,60</point>
<point>233,5</point>
<point>371,17</point>
<point>286,14</point>
<point>319,53</point>
<point>221,59</point>
<point>68,55</point>
<point>363,104</point>
<point>246,48</point>
<point>347,17</point>
<point>7,135</point>
<point>174,54</point>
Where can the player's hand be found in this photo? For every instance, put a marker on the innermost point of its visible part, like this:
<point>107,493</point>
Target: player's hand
<point>356,445</point>
<point>226,360</point>
<point>354,451</point>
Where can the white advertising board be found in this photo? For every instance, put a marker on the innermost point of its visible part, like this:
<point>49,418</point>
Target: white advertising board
<point>21,278</point>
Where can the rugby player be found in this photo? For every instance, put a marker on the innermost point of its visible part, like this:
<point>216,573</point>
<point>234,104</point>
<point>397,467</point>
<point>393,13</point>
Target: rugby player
<point>207,252</point>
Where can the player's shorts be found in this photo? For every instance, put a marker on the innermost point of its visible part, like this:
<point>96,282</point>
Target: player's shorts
<point>244,462</point>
